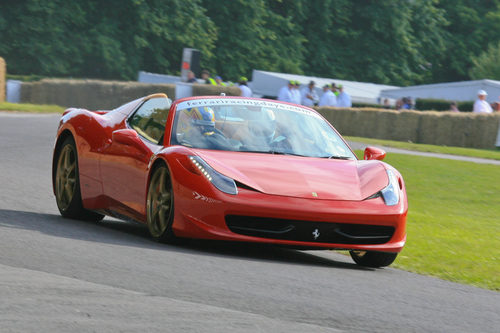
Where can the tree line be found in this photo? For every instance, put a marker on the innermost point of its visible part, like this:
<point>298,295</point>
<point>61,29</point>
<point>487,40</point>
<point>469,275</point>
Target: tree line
<point>400,42</point>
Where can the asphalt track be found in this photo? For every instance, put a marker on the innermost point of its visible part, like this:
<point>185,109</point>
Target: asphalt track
<point>60,275</point>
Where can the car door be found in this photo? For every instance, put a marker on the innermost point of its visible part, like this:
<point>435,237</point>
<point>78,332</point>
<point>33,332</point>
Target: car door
<point>124,166</point>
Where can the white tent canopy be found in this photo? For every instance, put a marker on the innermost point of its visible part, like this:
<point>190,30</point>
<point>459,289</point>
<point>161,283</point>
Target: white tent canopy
<point>451,91</point>
<point>269,83</point>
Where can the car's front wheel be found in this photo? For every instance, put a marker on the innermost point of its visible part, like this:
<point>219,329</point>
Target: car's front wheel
<point>160,206</point>
<point>67,184</point>
<point>373,259</point>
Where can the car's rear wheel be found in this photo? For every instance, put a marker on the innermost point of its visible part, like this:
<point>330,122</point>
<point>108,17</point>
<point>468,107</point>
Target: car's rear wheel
<point>373,259</point>
<point>67,184</point>
<point>160,206</point>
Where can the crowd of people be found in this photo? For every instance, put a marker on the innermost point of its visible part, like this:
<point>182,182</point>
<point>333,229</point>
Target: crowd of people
<point>217,81</point>
<point>480,105</point>
<point>332,95</point>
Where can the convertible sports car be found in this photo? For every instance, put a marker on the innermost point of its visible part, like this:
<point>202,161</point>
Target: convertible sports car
<point>230,168</point>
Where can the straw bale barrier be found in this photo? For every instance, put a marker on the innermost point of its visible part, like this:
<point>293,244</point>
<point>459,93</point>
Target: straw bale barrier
<point>97,94</point>
<point>440,128</point>
<point>89,94</point>
<point>210,90</point>
<point>462,129</point>
<point>3,71</point>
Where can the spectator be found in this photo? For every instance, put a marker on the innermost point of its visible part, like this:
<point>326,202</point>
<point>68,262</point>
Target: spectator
<point>245,91</point>
<point>343,99</point>
<point>480,105</point>
<point>191,77</point>
<point>454,107</point>
<point>296,96</point>
<point>219,82</point>
<point>205,75</point>
<point>328,98</point>
<point>309,96</point>
<point>387,104</point>
<point>285,93</point>
<point>399,103</point>
<point>333,87</point>
<point>496,106</point>
<point>407,103</point>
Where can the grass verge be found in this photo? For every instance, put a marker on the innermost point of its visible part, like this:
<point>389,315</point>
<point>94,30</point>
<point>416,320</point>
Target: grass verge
<point>34,108</point>
<point>453,220</point>
<point>481,153</point>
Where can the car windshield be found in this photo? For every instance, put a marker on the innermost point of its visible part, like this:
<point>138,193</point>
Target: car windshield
<point>248,125</point>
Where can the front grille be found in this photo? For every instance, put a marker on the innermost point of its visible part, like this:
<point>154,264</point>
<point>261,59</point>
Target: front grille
<point>309,231</point>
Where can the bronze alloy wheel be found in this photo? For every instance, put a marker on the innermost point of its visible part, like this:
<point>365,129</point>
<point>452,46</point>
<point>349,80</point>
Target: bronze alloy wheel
<point>67,184</point>
<point>160,205</point>
<point>66,177</point>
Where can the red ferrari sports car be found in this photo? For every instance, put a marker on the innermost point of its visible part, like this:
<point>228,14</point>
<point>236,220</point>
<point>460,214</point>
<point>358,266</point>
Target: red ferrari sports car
<point>230,168</point>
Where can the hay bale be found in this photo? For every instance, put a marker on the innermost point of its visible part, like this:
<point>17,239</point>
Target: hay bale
<point>405,126</point>
<point>462,129</point>
<point>89,94</point>
<point>3,72</point>
<point>482,131</point>
<point>26,92</point>
<point>211,90</point>
<point>428,127</point>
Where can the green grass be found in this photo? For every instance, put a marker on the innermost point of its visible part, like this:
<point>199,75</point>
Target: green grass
<point>453,220</point>
<point>481,153</point>
<point>35,108</point>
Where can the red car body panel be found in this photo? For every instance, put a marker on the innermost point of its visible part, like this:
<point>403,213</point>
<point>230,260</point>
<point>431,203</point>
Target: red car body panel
<point>114,179</point>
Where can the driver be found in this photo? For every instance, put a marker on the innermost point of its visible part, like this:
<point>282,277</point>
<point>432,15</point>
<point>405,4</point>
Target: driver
<point>265,134</point>
<point>196,128</point>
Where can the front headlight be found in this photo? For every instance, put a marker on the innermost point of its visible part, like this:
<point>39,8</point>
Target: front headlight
<point>390,193</point>
<point>223,183</point>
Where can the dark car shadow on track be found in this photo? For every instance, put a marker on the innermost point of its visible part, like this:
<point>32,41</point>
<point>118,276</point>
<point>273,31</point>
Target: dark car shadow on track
<point>134,234</point>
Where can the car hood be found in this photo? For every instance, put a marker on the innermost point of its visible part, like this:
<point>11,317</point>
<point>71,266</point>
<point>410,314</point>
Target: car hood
<point>302,177</point>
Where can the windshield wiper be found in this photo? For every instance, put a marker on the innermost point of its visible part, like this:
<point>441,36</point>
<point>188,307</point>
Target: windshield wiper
<point>274,152</point>
<point>337,157</point>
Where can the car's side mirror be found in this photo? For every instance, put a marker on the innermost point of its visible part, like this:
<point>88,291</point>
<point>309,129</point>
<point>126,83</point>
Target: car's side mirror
<point>373,153</point>
<point>128,137</point>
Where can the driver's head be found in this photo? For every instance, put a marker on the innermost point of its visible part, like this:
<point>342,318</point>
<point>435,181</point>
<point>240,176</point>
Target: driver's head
<point>201,118</point>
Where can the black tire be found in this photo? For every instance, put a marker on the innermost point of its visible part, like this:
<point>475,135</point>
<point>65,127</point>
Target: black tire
<point>160,206</point>
<point>67,184</point>
<point>373,259</point>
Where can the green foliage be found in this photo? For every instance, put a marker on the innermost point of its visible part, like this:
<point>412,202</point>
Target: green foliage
<point>471,26</point>
<point>104,39</point>
<point>251,36</point>
<point>424,104</point>
<point>392,42</point>
<point>487,65</point>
